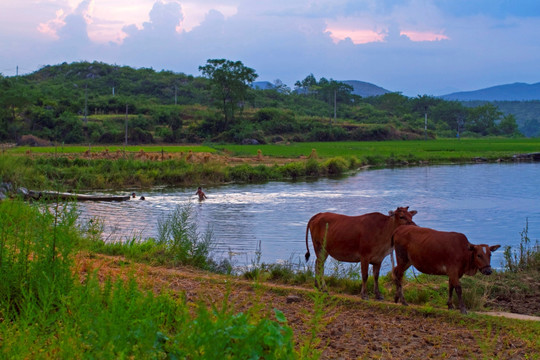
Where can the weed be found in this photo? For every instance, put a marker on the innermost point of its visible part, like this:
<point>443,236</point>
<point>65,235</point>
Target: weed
<point>179,235</point>
<point>528,255</point>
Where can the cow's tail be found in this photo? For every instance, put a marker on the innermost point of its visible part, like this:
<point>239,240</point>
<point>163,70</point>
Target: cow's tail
<point>392,255</point>
<point>307,245</point>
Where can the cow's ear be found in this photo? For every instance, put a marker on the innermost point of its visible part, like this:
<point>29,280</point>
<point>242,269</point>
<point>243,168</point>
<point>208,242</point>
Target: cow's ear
<point>471,247</point>
<point>391,213</point>
<point>494,247</point>
<point>413,212</point>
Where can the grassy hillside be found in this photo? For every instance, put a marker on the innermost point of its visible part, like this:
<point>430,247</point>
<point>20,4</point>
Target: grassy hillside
<point>98,103</point>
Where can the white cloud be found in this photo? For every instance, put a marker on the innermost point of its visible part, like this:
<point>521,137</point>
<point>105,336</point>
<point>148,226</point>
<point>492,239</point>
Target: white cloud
<point>414,46</point>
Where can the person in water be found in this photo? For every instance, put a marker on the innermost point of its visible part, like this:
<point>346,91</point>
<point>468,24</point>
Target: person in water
<point>201,194</point>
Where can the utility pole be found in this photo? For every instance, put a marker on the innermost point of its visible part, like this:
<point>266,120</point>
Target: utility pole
<point>335,104</point>
<point>17,71</point>
<point>85,103</point>
<point>425,122</point>
<point>125,143</point>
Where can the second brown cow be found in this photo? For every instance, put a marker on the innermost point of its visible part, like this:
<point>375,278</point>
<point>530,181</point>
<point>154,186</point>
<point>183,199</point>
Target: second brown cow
<point>439,253</point>
<point>365,239</point>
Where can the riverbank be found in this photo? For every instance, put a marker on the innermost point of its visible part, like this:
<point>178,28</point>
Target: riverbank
<point>71,292</point>
<point>120,168</point>
<point>347,327</point>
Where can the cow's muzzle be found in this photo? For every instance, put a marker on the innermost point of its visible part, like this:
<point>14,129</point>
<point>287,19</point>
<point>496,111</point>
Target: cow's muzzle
<point>486,270</point>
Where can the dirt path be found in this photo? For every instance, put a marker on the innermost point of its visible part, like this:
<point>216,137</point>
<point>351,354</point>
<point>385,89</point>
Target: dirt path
<point>350,328</point>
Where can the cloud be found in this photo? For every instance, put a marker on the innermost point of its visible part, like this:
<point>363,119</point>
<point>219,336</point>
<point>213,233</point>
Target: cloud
<point>413,46</point>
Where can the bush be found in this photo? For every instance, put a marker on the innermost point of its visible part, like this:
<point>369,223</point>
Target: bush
<point>178,233</point>
<point>371,132</point>
<point>49,312</point>
<point>528,256</point>
<point>35,257</point>
<point>335,166</point>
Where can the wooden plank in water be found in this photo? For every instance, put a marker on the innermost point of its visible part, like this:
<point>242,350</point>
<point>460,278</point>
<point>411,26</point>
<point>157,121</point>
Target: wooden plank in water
<point>56,195</point>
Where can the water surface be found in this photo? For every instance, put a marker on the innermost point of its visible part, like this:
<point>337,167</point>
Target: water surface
<point>489,203</point>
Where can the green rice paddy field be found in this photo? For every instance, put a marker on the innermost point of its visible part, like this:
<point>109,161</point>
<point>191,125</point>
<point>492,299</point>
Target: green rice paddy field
<point>443,150</point>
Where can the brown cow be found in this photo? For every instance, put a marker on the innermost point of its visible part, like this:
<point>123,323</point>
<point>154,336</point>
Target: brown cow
<point>439,253</point>
<point>365,239</point>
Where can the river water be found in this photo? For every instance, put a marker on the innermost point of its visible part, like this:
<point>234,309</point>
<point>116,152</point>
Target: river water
<point>489,203</point>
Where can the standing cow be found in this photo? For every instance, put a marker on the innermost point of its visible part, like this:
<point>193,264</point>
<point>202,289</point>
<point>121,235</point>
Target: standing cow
<point>439,253</point>
<point>365,239</point>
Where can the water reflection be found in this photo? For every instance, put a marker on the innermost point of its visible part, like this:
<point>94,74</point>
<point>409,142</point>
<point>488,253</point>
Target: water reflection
<point>488,202</point>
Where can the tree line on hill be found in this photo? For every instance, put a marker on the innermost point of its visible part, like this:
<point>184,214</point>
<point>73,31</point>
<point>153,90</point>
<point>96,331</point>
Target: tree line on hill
<point>95,102</point>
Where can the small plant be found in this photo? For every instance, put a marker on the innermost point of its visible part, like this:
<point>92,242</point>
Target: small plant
<point>528,255</point>
<point>178,233</point>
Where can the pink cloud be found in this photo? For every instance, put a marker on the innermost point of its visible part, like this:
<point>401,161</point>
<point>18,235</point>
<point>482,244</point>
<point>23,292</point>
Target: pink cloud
<point>356,36</point>
<point>50,28</point>
<point>423,35</point>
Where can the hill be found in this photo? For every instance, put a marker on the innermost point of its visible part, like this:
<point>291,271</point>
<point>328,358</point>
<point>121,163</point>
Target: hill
<point>365,89</point>
<point>508,92</point>
<point>88,102</point>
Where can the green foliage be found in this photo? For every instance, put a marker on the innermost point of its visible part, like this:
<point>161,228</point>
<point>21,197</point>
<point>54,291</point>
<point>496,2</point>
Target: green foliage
<point>170,107</point>
<point>49,312</point>
<point>178,233</point>
<point>220,334</point>
<point>527,257</point>
<point>230,81</point>
<point>35,257</point>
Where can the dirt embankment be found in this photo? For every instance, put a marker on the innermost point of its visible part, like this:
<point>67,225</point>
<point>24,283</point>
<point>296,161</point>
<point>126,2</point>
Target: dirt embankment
<point>350,328</point>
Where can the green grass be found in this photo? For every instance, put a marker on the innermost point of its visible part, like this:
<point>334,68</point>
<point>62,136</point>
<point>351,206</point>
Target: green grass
<point>442,150</point>
<point>78,149</point>
<point>48,312</point>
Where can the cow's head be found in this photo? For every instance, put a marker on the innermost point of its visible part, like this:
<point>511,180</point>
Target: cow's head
<point>482,257</point>
<point>403,216</point>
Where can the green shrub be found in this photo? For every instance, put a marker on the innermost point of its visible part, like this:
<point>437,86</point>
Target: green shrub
<point>292,170</point>
<point>336,166</point>
<point>49,312</point>
<point>527,257</point>
<point>178,233</point>
<point>36,246</point>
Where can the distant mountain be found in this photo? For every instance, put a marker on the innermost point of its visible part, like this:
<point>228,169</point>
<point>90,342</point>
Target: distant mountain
<point>361,88</point>
<point>509,92</point>
<point>262,85</point>
<point>365,89</point>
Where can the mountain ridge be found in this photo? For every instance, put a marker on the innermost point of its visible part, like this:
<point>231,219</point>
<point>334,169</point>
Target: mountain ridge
<point>518,91</point>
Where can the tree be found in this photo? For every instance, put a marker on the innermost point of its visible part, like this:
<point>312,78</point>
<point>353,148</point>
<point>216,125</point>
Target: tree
<point>306,86</point>
<point>508,125</point>
<point>482,119</point>
<point>230,83</point>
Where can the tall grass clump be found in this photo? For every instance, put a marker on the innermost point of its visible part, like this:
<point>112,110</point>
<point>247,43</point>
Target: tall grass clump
<point>178,232</point>
<point>47,311</point>
<point>36,244</point>
<point>527,257</point>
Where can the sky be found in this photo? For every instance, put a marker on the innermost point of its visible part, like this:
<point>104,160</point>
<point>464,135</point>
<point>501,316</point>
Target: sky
<point>416,47</point>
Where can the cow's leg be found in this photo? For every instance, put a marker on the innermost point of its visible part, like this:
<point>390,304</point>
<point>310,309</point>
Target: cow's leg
<point>376,269</point>
<point>450,291</point>
<point>319,271</point>
<point>364,266</point>
<point>455,284</point>
<point>403,264</point>
<point>398,273</point>
<point>461,304</point>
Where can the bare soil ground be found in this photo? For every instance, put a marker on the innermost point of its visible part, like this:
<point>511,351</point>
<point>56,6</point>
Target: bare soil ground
<point>350,328</point>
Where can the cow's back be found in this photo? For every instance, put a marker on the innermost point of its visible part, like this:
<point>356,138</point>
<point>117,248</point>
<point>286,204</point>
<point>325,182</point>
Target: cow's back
<point>349,238</point>
<point>431,251</point>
